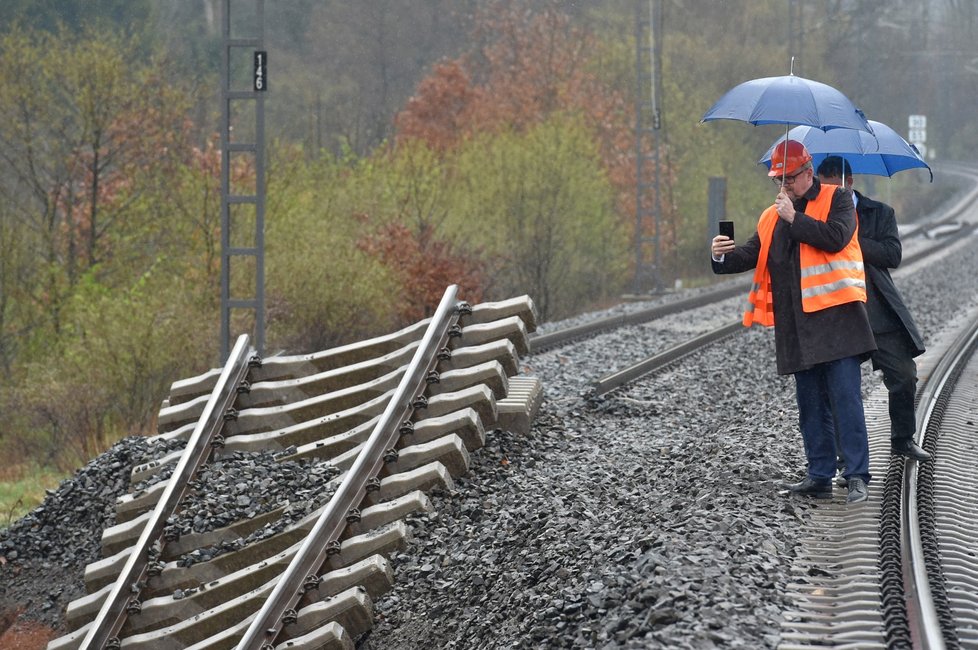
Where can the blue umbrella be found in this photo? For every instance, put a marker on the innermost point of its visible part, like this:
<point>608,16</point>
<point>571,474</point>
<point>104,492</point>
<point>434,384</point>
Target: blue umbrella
<point>788,100</point>
<point>883,153</point>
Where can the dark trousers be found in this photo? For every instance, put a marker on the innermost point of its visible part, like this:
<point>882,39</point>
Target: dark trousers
<point>894,357</point>
<point>832,392</point>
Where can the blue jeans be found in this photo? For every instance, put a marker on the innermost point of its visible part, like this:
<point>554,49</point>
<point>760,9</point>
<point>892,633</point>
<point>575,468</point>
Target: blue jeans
<point>827,389</point>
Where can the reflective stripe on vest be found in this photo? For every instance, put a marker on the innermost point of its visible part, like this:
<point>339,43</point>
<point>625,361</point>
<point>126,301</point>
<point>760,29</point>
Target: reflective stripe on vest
<point>830,279</point>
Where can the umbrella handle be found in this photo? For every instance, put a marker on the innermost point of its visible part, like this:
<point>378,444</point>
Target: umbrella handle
<point>786,125</point>
<point>791,71</point>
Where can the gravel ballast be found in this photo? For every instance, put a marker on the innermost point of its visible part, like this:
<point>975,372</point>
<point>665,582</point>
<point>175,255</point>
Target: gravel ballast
<point>653,518</point>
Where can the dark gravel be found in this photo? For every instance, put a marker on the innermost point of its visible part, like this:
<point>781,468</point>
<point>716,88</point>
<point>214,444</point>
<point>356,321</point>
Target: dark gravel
<point>244,485</point>
<point>650,519</point>
<point>44,554</point>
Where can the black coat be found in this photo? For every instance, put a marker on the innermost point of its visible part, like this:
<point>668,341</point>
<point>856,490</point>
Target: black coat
<point>879,239</point>
<point>802,340</point>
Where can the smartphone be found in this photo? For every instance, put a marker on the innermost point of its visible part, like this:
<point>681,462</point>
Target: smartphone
<point>727,228</point>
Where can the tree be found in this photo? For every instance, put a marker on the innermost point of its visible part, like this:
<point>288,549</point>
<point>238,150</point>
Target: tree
<point>542,206</point>
<point>407,235</point>
<point>344,68</point>
<point>53,15</point>
<point>15,319</point>
<point>423,266</point>
<point>529,67</point>
<point>322,290</point>
<point>91,131</point>
<point>84,118</point>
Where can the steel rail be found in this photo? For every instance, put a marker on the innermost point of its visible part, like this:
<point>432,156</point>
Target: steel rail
<point>542,342</point>
<point>964,231</point>
<point>268,623</point>
<point>921,608</point>
<point>963,201</point>
<point>123,598</point>
<point>621,377</point>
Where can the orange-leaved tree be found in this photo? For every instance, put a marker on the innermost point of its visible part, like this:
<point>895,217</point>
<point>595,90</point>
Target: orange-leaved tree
<point>430,265</point>
<point>528,68</point>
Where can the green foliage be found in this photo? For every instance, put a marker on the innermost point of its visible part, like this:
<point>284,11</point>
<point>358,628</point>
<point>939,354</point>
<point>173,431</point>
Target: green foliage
<point>22,489</point>
<point>50,14</point>
<point>322,290</point>
<point>543,209</point>
<point>106,373</point>
<point>100,276</point>
<point>15,312</point>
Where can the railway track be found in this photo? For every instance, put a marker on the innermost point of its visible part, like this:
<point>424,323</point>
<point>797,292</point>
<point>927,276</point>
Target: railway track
<point>899,572</point>
<point>381,421</point>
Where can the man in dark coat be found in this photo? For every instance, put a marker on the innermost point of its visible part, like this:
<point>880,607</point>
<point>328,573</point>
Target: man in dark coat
<point>823,348</point>
<point>897,338</point>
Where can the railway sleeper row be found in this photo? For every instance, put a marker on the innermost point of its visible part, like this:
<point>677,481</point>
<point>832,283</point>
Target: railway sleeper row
<point>353,363</point>
<point>322,408</point>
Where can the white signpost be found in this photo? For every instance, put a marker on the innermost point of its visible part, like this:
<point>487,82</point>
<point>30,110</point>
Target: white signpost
<point>917,133</point>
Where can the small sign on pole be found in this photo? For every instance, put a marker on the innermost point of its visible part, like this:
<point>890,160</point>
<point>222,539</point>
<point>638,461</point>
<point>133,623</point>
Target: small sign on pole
<point>261,71</point>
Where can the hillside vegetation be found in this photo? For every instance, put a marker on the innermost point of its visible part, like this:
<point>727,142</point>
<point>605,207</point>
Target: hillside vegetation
<point>411,145</point>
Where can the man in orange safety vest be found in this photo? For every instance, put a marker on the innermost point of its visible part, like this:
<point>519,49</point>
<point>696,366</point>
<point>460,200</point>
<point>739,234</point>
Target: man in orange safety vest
<point>810,285</point>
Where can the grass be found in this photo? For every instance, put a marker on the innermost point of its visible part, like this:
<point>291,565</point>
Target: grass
<point>22,488</point>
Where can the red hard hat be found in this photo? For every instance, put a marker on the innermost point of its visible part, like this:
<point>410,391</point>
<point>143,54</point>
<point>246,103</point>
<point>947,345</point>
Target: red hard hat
<point>782,164</point>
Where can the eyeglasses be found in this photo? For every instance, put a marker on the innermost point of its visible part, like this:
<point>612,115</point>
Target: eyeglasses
<point>787,180</point>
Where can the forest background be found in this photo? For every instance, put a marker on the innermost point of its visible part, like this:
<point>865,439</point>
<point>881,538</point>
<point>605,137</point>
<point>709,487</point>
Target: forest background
<point>411,144</point>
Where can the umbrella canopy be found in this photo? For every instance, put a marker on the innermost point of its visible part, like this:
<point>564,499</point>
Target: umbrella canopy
<point>883,153</point>
<point>788,100</point>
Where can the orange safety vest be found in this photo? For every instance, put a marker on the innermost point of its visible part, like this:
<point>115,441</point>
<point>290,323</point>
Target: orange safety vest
<point>827,279</point>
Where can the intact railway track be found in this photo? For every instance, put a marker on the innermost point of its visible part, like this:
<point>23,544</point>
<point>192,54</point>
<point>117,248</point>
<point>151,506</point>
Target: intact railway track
<point>393,416</point>
<point>899,572</point>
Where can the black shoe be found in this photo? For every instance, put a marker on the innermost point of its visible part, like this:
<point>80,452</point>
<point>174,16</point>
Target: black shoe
<point>812,488</point>
<point>858,492</point>
<point>841,480</point>
<point>908,449</point>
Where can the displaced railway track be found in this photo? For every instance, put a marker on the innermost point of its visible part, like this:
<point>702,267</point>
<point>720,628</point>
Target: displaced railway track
<point>333,606</point>
<point>381,421</point>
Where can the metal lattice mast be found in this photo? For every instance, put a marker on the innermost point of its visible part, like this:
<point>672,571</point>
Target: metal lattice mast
<point>243,150</point>
<point>648,121</point>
